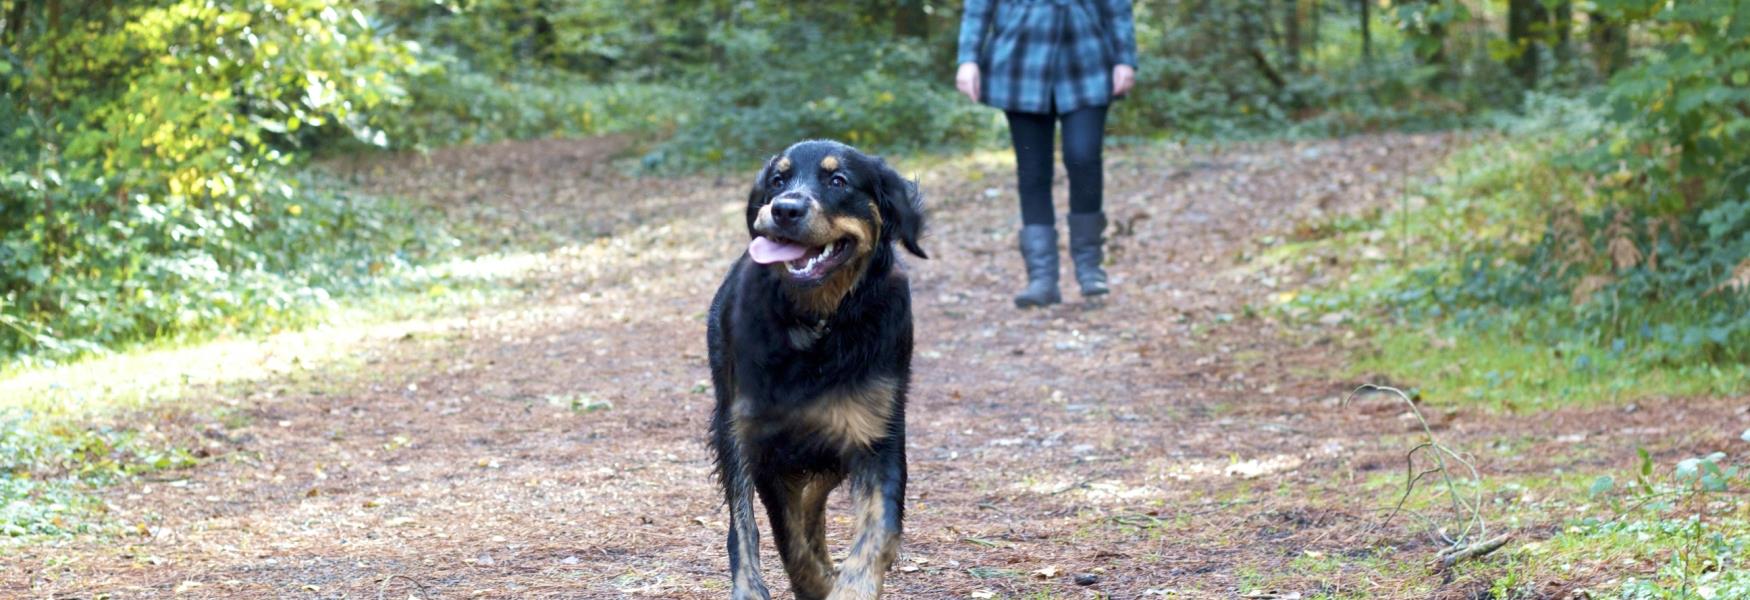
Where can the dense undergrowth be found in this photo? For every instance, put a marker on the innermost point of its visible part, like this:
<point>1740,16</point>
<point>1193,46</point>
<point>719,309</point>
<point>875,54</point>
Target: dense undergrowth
<point>1591,249</point>
<point>1518,278</point>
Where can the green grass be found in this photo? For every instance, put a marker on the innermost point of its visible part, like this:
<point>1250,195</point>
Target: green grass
<point>1435,283</point>
<point>1452,364</point>
<point>1627,542</point>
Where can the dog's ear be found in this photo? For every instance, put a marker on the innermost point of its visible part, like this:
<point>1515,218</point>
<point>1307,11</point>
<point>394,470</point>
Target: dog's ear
<point>756,196</point>
<point>902,209</point>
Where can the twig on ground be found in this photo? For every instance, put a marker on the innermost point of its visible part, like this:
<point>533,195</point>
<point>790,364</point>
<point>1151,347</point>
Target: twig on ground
<point>384,588</point>
<point>1074,486</point>
<point>1467,509</point>
<point>1452,556</point>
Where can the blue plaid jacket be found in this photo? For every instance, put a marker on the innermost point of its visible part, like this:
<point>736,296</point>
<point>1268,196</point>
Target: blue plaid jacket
<point>1034,52</point>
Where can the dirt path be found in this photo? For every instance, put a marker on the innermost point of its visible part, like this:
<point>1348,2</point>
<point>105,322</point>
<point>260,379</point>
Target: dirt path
<point>1167,442</point>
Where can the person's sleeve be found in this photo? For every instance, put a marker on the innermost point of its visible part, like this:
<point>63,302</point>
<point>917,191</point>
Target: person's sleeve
<point>1123,30</point>
<point>974,21</point>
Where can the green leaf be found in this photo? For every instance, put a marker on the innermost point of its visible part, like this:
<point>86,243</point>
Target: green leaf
<point>1602,485</point>
<point>1688,468</point>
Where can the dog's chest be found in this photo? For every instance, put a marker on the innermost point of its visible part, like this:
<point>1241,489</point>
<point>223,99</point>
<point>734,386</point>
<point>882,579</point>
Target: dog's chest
<point>846,418</point>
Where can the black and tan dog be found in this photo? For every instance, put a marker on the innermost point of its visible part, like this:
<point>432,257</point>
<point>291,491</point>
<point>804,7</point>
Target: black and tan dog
<point>811,339</point>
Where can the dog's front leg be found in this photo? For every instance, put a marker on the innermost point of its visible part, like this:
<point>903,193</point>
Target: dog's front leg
<point>744,534</point>
<point>877,491</point>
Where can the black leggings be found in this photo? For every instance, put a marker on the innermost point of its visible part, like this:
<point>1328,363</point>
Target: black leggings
<point>1083,131</point>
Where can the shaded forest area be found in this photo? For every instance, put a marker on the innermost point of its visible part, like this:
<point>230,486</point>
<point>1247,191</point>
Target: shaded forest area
<point>154,185</point>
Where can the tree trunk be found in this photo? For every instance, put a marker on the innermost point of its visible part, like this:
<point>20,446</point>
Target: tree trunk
<point>15,26</point>
<point>1522,19</point>
<point>910,20</point>
<point>1366,30</point>
<point>1291,36</point>
<point>1564,24</point>
<point>1609,43</point>
<point>1437,42</point>
<point>1253,41</point>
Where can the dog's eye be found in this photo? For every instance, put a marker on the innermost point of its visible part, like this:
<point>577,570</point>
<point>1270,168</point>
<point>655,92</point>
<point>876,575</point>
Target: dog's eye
<point>777,180</point>
<point>838,181</point>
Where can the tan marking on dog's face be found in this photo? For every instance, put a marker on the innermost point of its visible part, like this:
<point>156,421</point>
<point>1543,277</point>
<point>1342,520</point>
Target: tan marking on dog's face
<point>818,230</point>
<point>857,229</point>
<point>855,418</point>
<point>784,165</point>
<point>763,221</point>
<point>830,163</point>
<point>824,298</point>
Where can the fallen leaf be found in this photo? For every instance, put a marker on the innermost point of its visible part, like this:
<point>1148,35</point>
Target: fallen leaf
<point>1047,572</point>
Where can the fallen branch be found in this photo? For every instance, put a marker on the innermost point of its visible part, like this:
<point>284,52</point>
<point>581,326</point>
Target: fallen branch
<point>1468,510</point>
<point>1452,556</point>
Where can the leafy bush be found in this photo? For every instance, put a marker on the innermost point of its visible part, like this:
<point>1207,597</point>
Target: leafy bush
<point>1659,257</point>
<point>454,103</point>
<point>1692,509</point>
<point>1685,140</point>
<point>1518,277</point>
<point>144,194</point>
<point>866,92</point>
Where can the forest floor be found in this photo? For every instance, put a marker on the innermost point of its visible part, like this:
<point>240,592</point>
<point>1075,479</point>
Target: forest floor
<point>1180,439</point>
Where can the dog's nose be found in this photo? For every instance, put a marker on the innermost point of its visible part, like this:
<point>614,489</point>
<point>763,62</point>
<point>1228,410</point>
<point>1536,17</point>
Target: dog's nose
<point>789,211</point>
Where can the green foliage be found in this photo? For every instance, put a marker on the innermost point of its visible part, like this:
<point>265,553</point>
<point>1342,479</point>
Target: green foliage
<point>864,91</point>
<point>599,40</point>
<point>456,104</point>
<point>143,194</point>
<point>1693,509</point>
<point>1646,252</point>
<point>1518,278</point>
<point>44,469</point>
<point>1686,136</point>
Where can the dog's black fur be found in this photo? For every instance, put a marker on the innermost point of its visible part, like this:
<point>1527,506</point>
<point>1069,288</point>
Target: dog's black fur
<point>811,373</point>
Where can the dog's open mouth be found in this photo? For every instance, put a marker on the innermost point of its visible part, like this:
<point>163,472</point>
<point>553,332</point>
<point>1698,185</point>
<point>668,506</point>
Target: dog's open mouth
<point>802,262</point>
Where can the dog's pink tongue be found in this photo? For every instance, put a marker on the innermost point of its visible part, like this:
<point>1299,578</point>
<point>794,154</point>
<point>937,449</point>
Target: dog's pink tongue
<point>765,251</point>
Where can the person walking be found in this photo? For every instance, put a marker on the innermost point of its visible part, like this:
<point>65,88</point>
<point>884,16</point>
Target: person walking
<point>1043,62</point>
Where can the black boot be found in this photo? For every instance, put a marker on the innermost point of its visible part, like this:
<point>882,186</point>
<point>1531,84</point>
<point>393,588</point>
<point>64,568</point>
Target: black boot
<point>1087,244</point>
<point>1039,252</point>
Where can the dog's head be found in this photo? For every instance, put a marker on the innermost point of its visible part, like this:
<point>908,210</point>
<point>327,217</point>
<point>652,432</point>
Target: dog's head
<point>821,210</point>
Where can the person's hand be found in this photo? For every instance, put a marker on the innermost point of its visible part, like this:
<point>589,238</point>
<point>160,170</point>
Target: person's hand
<point>1123,76</point>
<point>966,80</point>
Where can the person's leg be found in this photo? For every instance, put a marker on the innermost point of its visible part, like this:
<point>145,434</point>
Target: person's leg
<point>1032,135</point>
<point>1084,132</point>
